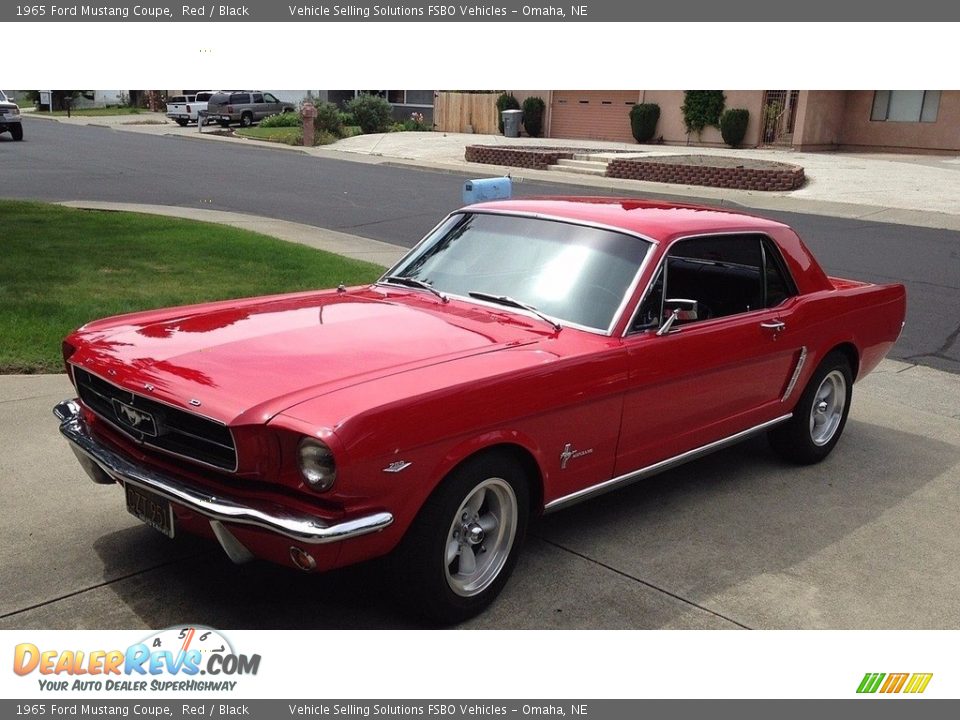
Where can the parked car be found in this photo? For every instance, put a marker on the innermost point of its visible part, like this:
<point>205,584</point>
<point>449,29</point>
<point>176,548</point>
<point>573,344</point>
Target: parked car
<point>10,117</point>
<point>525,356</point>
<point>185,109</point>
<point>245,108</point>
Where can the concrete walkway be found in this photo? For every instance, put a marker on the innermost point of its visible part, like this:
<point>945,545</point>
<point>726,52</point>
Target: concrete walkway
<point>921,190</point>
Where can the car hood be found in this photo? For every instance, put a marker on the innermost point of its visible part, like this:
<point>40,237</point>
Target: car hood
<point>245,362</point>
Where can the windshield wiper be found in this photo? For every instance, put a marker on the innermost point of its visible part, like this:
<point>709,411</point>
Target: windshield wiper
<point>511,302</point>
<point>414,282</point>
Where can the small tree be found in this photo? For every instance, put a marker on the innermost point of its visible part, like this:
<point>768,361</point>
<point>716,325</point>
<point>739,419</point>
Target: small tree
<point>506,101</point>
<point>533,111</point>
<point>373,114</point>
<point>328,118</point>
<point>643,121</point>
<point>733,126</point>
<point>701,108</point>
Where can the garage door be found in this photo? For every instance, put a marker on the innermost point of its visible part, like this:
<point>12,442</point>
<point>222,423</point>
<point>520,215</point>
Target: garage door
<point>592,114</point>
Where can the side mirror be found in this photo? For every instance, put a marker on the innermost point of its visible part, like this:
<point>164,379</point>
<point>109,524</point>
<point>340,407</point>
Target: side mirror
<point>677,309</point>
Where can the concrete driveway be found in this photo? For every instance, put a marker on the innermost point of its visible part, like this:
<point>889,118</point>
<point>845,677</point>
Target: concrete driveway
<point>868,539</point>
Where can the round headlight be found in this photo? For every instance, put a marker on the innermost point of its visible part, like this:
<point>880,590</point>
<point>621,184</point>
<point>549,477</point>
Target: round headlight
<point>317,465</point>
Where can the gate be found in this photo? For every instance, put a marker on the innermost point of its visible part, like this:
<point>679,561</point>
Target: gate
<point>779,115</point>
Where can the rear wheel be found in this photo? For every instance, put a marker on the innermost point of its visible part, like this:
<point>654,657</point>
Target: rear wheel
<point>462,547</point>
<point>181,123</point>
<point>16,130</point>
<point>224,123</point>
<point>820,415</point>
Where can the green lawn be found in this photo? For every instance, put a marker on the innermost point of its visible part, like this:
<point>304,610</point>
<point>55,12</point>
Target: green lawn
<point>286,135</point>
<point>63,267</point>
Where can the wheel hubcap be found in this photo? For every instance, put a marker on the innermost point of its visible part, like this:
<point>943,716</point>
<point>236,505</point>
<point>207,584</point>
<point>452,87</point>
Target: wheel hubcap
<point>480,537</point>
<point>828,406</point>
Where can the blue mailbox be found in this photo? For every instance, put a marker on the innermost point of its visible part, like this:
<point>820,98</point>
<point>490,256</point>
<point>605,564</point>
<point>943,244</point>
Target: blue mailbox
<point>498,188</point>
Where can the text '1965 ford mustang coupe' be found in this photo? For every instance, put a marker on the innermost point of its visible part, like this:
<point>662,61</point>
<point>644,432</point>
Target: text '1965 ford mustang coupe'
<point>526,355</point>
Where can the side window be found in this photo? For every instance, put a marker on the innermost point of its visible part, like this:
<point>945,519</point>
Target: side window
<point>713,277</point>
<point>240,98</point>
<point>257,98</point>
<point>270,98</point>
<point>778,285</point>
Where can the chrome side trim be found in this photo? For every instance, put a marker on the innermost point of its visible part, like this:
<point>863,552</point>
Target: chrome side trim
<point>270,516</point>
<point>796,374</point>
<point>659,467</point>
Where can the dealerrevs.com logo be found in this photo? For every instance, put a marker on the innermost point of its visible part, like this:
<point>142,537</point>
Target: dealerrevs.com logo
<point>909,683</point>
<point>172,659</point>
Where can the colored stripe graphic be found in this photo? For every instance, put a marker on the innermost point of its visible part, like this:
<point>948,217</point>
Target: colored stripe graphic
<point>918,683</point>
<point>870,682</point>
<point>894,683</point>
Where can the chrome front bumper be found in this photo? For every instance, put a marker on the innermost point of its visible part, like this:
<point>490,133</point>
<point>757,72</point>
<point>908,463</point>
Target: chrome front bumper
<point>105,465</point>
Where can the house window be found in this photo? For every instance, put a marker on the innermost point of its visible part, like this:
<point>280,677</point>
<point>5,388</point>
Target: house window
<point>906,105</point>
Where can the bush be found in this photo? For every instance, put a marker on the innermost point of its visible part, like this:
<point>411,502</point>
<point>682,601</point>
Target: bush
<point>372,113</point>
<point>733,126</point>
<point>347,120</point>
<point>701,108</point>
<point>533,111</point>
<point>281,120</point>
<point>328,118</point>
<point>506,101</point>
<point>643,121</point>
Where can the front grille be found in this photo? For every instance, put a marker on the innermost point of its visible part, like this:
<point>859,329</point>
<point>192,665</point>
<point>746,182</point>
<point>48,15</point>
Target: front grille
<point>157,425</point>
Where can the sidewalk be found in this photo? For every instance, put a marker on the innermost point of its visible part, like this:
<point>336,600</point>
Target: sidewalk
<point>922,190</point>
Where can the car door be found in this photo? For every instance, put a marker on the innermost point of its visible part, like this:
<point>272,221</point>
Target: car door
<point>272,106</point>
<point>717,371</point>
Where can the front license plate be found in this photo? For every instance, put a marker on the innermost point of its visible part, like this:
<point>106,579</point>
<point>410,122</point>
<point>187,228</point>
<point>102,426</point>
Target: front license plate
<point>151,509</point>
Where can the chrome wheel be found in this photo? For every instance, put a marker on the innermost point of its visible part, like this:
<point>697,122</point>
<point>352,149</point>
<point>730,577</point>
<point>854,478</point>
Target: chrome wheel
<point>480,537</point>
<point>826,412</point>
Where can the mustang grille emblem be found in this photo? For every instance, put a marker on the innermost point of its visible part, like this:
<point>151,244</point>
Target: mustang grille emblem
<point>135,419</point>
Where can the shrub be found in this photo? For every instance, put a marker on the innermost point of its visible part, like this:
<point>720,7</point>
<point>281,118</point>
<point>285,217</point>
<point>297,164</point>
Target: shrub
<point>328,118</point>
<point>533,111</point>
<point>281,120</point>
<point>701,108</point>
<point>643,121</point>
<point>505,101</point>
<point>372,113</point>
<point>346,119</point>
<point>733,126</point>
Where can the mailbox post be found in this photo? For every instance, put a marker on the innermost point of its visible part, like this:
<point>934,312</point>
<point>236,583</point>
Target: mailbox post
<point>309,113</point>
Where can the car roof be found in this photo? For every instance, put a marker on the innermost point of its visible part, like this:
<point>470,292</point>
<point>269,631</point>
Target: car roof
<point>653,219</point>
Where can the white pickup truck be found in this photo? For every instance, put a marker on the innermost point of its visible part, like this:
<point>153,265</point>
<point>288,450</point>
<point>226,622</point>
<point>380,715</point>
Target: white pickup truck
<point>186,108</point>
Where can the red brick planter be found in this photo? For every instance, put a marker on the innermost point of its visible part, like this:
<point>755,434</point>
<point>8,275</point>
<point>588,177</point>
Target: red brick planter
<point>712,172</point>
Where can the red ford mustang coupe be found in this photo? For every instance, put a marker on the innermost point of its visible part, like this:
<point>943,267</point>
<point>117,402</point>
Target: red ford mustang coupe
<point>526,355</point>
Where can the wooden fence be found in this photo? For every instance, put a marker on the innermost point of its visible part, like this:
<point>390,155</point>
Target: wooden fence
<point>466,112</point>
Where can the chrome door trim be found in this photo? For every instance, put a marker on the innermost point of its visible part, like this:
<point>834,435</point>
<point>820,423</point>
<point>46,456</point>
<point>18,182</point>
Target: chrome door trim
<point>658,467</point>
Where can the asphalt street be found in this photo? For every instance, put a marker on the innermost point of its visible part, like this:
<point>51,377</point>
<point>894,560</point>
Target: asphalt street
<point>399,204</point>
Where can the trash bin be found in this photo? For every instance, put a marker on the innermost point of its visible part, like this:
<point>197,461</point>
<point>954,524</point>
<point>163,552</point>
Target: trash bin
<point>511,122</point>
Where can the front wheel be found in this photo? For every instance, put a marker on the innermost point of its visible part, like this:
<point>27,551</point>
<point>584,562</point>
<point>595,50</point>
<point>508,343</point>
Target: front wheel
<point>16,131</point>
<point>463,545</point>
<point>246,120</point>
<point>820,415</point>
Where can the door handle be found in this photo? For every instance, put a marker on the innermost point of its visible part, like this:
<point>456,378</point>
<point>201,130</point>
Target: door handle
<point>775,325</point>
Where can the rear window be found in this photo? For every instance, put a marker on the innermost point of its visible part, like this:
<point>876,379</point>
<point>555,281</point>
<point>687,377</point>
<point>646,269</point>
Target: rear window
<point>178,99</point>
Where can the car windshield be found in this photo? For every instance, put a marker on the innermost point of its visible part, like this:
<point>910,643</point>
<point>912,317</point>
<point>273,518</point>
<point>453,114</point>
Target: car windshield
<point>575,273</point>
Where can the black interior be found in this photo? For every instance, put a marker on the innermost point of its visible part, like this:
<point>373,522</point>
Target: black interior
<point>720,289</point>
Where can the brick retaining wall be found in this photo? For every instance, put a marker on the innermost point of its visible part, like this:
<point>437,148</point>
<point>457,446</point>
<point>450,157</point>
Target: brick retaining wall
<point>525,157</point>
<point>784,177</point>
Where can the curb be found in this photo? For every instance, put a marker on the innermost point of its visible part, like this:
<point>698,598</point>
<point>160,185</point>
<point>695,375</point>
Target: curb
<point>350,246</point>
